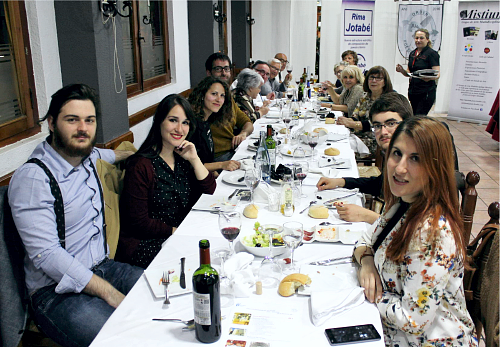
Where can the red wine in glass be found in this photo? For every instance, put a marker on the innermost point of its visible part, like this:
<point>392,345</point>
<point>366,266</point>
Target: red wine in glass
<point>289,70</point>
<point>230,233</point>
<point>289,96</point>
<point>312,144</point>
<point>301,176</point>
<point>286,120</point>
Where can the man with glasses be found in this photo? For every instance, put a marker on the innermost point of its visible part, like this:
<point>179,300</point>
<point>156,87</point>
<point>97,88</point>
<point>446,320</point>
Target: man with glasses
<point>225,139</point>
<point>386,113</point>
<point>263,69</point>
<point>283,60</point>
<point>272,84</point>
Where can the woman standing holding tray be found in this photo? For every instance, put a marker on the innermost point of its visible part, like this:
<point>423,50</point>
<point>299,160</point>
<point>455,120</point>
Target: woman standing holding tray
<point>422,91</point>
<point>412,265</point>
<point>164,179</point>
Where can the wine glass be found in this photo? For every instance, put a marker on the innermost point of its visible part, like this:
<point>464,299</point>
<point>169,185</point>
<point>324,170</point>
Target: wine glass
<point>287,119</point>
<point>312,141</point>
<point>289,93</point>
<point>229,226</point>
<point>252,179</point>
<point>227,295</point>
<point>289,68</point>
<point>293,232</point>
<point>270,270</point>
<point>301,168</point>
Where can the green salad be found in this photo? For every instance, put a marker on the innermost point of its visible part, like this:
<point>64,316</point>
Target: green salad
<point>259,239</point>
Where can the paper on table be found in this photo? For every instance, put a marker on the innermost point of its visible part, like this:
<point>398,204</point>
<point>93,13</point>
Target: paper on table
<point>328,303</point>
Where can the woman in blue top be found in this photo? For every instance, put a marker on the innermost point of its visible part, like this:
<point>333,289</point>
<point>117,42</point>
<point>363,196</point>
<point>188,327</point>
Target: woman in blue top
<point>422,91</point>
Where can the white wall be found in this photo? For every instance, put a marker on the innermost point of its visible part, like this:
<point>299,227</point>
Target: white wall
<point>47,73</point>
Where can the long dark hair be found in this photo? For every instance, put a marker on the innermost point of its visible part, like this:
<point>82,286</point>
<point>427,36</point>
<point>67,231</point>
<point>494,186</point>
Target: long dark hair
<point>378,70</point>
<point>152,146</point>
<point>197,97</point>
<point>439,195</point>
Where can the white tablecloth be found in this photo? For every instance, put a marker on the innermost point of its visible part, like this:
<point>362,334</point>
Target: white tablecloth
<point>131,324</point>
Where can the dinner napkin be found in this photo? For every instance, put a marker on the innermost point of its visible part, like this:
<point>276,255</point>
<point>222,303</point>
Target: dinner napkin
<point>357,145</point>
<point>247,164</point>
<point>328,303</point>
<point>240,275</point>
<point>262,191</point>
<point>324,171</point>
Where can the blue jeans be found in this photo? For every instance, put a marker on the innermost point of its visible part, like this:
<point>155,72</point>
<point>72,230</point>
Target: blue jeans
<point>74,319</point>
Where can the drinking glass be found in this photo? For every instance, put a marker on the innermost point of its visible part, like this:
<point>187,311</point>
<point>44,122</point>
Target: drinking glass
<point>301,168</point>
<point>287,119</point>
<point>270,270</point>
<point>252,179</point>
<point>229,226</point>
<point>289,93</point>
<point>227,294</point>
<point>315,79</point>
<point>312,140</point>
<point>289,68</point>
<point>293,232</point>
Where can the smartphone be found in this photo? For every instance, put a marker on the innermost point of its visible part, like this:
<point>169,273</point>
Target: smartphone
<point>352,334</point>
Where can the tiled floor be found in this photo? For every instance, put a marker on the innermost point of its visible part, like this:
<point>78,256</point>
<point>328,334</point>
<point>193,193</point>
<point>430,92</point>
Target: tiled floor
<point>477,151</point>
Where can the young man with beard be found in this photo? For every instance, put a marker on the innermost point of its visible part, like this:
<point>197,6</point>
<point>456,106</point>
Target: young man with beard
<point>385,114</point>
<point>73,286</point>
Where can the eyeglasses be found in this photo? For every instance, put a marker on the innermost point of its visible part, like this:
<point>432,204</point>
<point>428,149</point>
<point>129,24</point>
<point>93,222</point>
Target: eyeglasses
<point>274,68</point>
<point>283,61</point>
<point>375,78</point>
<point>390,124</point>
<point>262,72</point>
<point>220,68</point>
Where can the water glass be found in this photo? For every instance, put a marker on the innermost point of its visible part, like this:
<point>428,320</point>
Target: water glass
<point>273,200</point>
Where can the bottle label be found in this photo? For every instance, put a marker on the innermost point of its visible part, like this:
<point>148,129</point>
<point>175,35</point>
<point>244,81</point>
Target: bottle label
<point>201,303</point>
<point>272,156</point>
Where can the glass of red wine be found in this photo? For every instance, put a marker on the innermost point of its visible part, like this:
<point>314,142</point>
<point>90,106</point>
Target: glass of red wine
<point>289,68</point>
<point>312,141</point>
<point>229,226</point>
<point>301,168</point>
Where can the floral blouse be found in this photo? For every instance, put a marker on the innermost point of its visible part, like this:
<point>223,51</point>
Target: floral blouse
<point>423,301</point>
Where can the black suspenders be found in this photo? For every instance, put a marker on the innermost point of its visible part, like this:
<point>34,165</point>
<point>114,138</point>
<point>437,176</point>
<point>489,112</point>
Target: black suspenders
<point>59,205</point>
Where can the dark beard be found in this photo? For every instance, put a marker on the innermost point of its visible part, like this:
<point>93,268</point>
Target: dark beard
<point>69,149</point>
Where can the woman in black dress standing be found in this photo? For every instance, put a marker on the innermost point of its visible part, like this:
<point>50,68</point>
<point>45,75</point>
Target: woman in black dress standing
<point>422,91</point>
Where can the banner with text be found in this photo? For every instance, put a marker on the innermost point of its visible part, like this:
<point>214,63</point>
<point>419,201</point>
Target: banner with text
<point>357,28</point>
<point>475,77</point>
<point>418,16</point>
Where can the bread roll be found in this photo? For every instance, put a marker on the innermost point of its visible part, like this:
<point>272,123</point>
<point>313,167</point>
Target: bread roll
<point>332,151</point>
<point>318,212</point>
<point>283,131</point>
<point>290,283</point>
<point>251,211</point>
<point>329,120</point>
<point>317,130</point>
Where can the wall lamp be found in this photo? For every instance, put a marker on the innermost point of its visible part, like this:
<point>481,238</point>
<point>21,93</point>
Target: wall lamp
<point>109,8</point>
<point>219,17</point>
<point>250,20</point>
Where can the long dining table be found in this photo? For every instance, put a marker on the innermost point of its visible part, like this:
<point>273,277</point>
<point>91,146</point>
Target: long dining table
<point>275,320</point>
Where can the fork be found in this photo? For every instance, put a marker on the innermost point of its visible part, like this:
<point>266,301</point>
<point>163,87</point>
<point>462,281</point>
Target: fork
<point>165,280</point>
<point>310,204</point>
<point>187,322</point>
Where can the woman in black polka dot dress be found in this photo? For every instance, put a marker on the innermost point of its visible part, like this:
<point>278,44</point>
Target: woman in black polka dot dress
<point>163,181</point>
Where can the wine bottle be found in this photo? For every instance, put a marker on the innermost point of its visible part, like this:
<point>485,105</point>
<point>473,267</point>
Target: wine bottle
<point>271,147</point>
<point>262,159</point>
<point>301,89</point>
<point>206,298</point>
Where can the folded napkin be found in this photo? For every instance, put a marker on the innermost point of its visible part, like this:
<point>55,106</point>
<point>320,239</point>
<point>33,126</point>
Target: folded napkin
<point>262,191</point>
<point>328,303</point>
<point>247,164</point>
<point>324,171</point>
<point>357,145</point>
<point>240,275</point>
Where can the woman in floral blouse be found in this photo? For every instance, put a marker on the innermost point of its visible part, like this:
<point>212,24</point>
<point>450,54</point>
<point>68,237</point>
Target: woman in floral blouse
<point>377,82</point>
<point>414,273</point>
<point>248,88</point>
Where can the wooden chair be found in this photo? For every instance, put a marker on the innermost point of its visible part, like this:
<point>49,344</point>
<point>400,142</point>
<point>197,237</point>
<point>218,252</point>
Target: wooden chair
<point>469,199</point>
<point>481,283</point>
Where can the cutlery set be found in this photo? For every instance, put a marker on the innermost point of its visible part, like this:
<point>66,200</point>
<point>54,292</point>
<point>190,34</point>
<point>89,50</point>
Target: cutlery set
<point>165,280</point>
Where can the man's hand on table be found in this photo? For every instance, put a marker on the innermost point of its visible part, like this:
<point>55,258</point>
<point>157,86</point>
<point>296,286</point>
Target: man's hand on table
<point>370,279</point>
<point>231,165</point>
<point>330,183</point>
<point>238,139</point>
<point>355,213</point>
<point>264,110</point>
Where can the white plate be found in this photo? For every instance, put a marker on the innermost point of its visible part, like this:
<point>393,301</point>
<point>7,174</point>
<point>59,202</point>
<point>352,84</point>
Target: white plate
<point>346,234</point>
<point>233,176</point>
<point>334,193</point>
<point>284,151</point>
<point>327,277</point>
<point>209,202</point>
<point>153,277</point>
<point>337,137</point>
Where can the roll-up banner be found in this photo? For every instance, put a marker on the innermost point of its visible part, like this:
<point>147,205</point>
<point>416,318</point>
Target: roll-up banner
<point>357,28</point>
<point>418,16</point>
<point>475,77</point>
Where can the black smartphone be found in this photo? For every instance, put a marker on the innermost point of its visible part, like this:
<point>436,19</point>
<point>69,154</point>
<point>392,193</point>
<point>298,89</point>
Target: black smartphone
<point>352,334</point>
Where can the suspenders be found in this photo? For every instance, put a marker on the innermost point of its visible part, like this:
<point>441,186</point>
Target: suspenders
<point>59,205</point>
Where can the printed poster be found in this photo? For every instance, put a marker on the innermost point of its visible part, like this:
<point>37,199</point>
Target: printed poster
<point>357,28</point>
<point>421,16</point>
<point>475,77</point>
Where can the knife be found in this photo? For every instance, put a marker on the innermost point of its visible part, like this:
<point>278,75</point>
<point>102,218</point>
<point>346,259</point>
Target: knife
<point>328,202</point>
<point>183,276</point>
<point>333,261</point>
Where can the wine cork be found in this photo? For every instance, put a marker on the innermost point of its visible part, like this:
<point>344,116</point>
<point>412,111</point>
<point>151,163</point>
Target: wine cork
<point>258,288</point>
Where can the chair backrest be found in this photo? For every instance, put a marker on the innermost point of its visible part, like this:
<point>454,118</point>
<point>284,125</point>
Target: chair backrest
<point>481,281</point>
<point>13,297</point>
<point>468,205</point>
